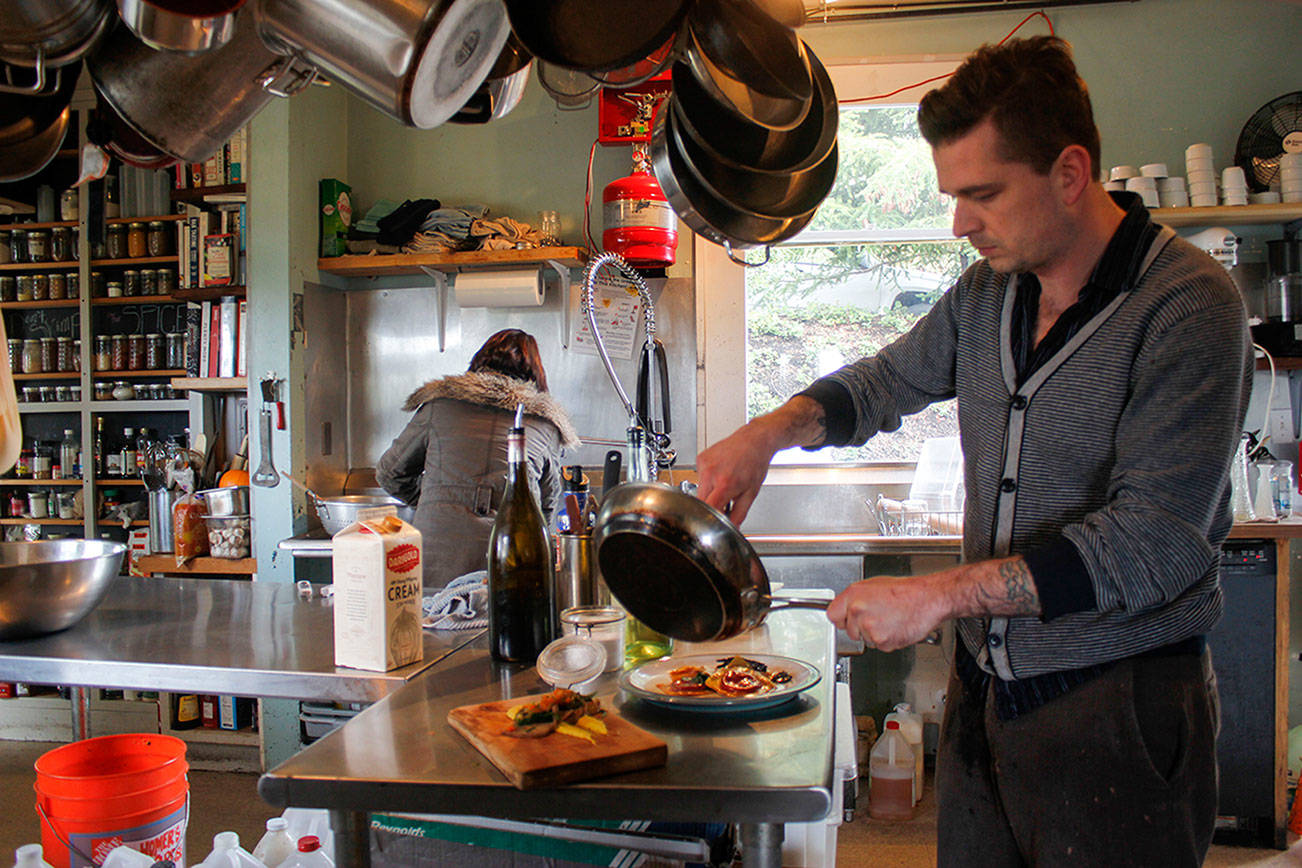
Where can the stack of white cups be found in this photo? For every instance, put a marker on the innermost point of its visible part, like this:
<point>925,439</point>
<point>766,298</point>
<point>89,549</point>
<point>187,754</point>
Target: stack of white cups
<point>1290,177</point>
<point>1201,174</point>
<point>1234,186</point>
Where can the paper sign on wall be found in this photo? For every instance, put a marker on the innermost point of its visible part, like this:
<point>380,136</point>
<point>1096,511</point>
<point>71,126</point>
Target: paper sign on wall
<point>618,309</point>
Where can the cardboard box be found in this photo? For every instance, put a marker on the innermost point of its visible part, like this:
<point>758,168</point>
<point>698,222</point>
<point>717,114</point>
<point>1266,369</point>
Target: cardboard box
<point>336,215</point>
<point>377,579</point>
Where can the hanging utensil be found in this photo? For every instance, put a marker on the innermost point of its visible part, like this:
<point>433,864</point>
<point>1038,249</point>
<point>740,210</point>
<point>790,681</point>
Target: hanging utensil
<point>266,475</point>
<point>610,471</point>
<point>176,25</point>
<point>44,35</point>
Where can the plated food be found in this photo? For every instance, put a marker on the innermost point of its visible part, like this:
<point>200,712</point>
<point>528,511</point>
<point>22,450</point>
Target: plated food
<point>709,682</point>
<point>732,676</point>
<point>563,711</point>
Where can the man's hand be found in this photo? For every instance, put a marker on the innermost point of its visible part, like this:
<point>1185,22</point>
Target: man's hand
<point>732,470</point>
<point>893,612</point>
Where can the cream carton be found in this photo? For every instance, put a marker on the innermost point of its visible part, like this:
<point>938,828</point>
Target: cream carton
<point>377,579</point>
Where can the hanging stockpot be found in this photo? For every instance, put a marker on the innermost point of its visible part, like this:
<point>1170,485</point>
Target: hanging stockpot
<point>41,36</point>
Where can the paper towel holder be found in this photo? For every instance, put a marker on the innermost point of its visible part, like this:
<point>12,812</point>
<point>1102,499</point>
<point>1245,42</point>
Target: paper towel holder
<point>442,288</point>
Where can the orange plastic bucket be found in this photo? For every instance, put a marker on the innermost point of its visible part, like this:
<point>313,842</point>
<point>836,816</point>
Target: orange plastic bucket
<point>100,793</point>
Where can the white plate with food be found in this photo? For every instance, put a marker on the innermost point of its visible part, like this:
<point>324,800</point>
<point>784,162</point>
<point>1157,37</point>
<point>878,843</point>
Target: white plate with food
<point>714,682</point>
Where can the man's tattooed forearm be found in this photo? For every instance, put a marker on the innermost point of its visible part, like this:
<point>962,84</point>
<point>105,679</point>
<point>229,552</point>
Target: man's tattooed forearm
<point>1018,587</point>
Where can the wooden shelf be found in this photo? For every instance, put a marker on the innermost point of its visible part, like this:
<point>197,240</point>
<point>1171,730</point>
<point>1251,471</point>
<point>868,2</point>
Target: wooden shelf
<point>166,563</point>
<point>26,226</point>
<point>1282,363</point>
<point>62,522</point>
<point>160,217</point>
<point>211,384</point>
<point>139,260</point>
<point>115,482</point>
<point>61,265</point>
<point>1230,215</point>
<point>30,305</point>
<point>136,299</point>
<point>414,263</point>
<point>208,293</point>
<point>120,375</point>
<point>200,194</point>
<point>40,483</point>
<point>52,375</point>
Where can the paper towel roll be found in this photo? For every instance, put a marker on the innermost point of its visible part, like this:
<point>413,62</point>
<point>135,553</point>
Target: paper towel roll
<point>499,288</point>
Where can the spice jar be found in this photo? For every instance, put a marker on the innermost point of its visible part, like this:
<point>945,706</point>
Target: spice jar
<point>63,353</point>
<point>8,287</point>
<point>31,394</point>
<point>74,284</point>
<point>159,240</point>
<point>69,205</point>
<point>49,355</point>
<point>23,291</point>
<point>38,245</point>
<point>42,462</point>
<point>17,504</point>
<point>98,285</point>
<point>76,354</point>
<point>47,393</point>
<point>115,289</point>
<point>148,282</point>
<point>123,391</point>
<point>6,251</point>
<point>176,350</point>
<point>15,355</point>
<point>32,356</point>
<point>40,287</point>
<point>63,393</point>
<point>60,244</point>
<point>154,356</point>
<point>166,281</point>
<point>137,240</point>
<point>18,245</point>
<point>135,352</point>
<point>76,392</point>
<point>103,360</point>
<point>131,282</point>
<point>118,347</point>
<point>38,502</point>
<point>115,241</point>
<point>58,285</point>
<point>67,501</point>
<point>103,390</point>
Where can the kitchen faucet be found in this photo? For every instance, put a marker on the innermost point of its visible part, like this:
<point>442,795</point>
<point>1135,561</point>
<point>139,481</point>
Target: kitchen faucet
<point>647,440</point>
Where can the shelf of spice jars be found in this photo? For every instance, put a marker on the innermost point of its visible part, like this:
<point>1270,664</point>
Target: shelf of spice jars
<point>28,227</point>
<point>54,265</point>
<point>48,406</point>
<point>159,218</point>
<point>139,260</point>
<point>50,375</point>
<point>135,406</point>
<point>142,372</point>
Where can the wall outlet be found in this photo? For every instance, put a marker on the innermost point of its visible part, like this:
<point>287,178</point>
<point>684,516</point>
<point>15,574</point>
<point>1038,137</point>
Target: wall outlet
<point>1281,426</point>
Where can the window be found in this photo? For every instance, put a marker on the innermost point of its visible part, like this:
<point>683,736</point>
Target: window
<point>875,258</point>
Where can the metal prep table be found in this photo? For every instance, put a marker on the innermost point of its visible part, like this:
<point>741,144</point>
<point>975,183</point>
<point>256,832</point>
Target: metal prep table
<point>760,770</point>
<point>209,636</point>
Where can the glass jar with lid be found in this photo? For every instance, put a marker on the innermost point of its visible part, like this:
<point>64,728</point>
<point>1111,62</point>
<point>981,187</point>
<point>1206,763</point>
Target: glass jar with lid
<point>166,281</point>
<point>137,240</point>
<point>61,244</point>
<point>123,391</point>
<point>131,282</point>
<point>159,240</point>
<point>69,204</point>
<point>32,356</point>
<point>15,355</point>
<point>42,462</point>
<point>63,353</point>
<point>40,286</point>
<point>58,284</point>
<point>115,241</point>
<point>76,354</point>
<point>38,245</point>
<point>18,245</point>
<point>49,355</point>
<point>23,288</point>
<point>8,287</point>
<point>148,281</point>
<point>103,390</point>
<point>73,281</point>
<point>118,348</point>
<point>175,350</point>
<point>155,358</point>
<point>38,501</point>
<point>6,251</point>
<point>103,360</point>
<point>114,289</point>
<point>98,284</point>
<point>135,352</point>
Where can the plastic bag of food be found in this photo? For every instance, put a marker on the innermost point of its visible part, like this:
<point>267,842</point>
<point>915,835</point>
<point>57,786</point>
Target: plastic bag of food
<point>189,533</point>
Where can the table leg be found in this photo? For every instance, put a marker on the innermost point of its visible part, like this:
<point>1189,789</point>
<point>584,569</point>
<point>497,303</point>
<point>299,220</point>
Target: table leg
<point>352,830</point>
<point>80,697</point>
<point>761,845</point>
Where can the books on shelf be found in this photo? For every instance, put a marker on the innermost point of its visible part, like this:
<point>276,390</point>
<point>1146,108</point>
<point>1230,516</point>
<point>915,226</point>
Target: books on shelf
<point>217,340</point>
<point>211,246</point>
<point>230,165</point>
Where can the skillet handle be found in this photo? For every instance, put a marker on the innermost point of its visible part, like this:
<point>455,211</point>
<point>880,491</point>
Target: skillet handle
<point>733,256</point>
<point>776,603</point>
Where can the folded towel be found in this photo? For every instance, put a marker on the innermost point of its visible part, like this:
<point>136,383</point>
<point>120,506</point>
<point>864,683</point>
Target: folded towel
<point>461,605</point>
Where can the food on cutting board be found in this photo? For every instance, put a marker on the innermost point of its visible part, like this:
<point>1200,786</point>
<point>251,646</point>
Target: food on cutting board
<point>562,711</point>
<point>732,677</point>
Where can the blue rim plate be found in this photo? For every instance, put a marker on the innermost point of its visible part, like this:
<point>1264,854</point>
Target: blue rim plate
<point>642,681</point>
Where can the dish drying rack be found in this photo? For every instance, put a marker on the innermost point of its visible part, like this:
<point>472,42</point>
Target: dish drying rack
<point>916,518</point>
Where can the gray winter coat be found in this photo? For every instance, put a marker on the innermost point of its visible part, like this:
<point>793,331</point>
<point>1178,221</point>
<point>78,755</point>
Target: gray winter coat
<point>450,463</point>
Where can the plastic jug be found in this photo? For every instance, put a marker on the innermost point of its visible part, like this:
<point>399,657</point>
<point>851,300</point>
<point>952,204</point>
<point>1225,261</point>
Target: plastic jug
<point>277,844</point>
<point>30,856</point>
<point>127,857</point>
<point>227,853</point>
<point>309,855</point>
<point>911,728</point>
<point>890,785</point>
<point>311,821</point>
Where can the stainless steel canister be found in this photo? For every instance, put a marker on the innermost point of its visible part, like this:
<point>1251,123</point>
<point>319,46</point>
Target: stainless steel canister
<point>160,519</point>
<point>578,578</point>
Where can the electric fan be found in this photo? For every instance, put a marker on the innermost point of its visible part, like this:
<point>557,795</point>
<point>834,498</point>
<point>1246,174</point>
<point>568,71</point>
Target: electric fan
<point>1273,130</point>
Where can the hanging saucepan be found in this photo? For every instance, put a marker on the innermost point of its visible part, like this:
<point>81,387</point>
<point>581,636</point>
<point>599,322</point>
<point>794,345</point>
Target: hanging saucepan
<point>418,61</point>
<point>752,145</point>
<point>494,99</point>
<point>41,35</point>
<point>755,67</point>
<point>32,128</point>
<point>679,566</point>
<point>188,106</point>
<point>595,35</point>
<point>571,89</point>
<point>107,129</point>
<point>648,67</point>
<point>181,25</point>
<point>705,211</point>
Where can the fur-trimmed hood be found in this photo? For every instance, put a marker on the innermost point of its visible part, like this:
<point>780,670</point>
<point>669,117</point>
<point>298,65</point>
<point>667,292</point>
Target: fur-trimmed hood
<point>496,390</point>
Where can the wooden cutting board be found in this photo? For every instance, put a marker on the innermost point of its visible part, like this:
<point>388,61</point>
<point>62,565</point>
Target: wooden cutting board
<point>555,759</point>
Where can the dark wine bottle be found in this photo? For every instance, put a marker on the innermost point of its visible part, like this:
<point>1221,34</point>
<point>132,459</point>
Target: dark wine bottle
<point>521,620</point>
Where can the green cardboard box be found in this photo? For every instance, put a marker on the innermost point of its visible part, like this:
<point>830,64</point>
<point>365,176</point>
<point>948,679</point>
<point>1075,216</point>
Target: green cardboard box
<point>336,215</point>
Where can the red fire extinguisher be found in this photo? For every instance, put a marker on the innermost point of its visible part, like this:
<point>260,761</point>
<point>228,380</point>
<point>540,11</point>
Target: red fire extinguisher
<point>639,223</point>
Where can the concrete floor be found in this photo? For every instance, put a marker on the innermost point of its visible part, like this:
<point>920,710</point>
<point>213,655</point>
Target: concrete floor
<point>222,801</point>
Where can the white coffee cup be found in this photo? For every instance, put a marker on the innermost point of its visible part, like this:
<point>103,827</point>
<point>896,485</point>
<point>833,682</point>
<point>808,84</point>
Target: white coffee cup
<point>1121,173</point>
<point>1173,199</point>
<point>1207,188</point>
<point>1154,170</point>
<point>1141,183</point>
<point>1202,201</point>
<point>1171,184</point>
<point>1270,197</point>
<point>1233,177</point>
<point>1201,176</point>
<point>1199,164</point>
<point>1199,149</point>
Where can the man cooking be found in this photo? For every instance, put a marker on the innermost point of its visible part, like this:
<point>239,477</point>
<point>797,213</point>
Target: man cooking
<point>1102,368</point>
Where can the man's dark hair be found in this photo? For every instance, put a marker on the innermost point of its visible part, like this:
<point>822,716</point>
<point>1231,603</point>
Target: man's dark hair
<point>1029,88</point>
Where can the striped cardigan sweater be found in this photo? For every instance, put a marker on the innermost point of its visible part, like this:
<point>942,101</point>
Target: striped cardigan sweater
<point>1121,444</point>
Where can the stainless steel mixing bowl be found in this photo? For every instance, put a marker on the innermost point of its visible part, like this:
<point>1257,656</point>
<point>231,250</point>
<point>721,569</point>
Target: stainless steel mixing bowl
<point>49,586</point>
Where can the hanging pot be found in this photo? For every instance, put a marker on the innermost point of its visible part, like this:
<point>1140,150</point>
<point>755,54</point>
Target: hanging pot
<point>680,567</point>
<point>41,35</point>
<point>107,129</point>
<point>418,62</point>
<point>32,128</point>
<point>188,106</point>
<point>494,99</point>
<point>595,35</point>
<point>181,25</point>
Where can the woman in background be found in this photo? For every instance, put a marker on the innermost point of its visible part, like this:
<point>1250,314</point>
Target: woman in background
<point>450,460</point>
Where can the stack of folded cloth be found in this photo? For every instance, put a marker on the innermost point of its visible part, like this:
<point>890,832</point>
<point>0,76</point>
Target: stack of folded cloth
<point>505,233</point>
<point>461,605</point>
<point>446,229</point>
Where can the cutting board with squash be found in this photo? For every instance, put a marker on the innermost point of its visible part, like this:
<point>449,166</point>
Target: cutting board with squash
<point>555,759</point>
